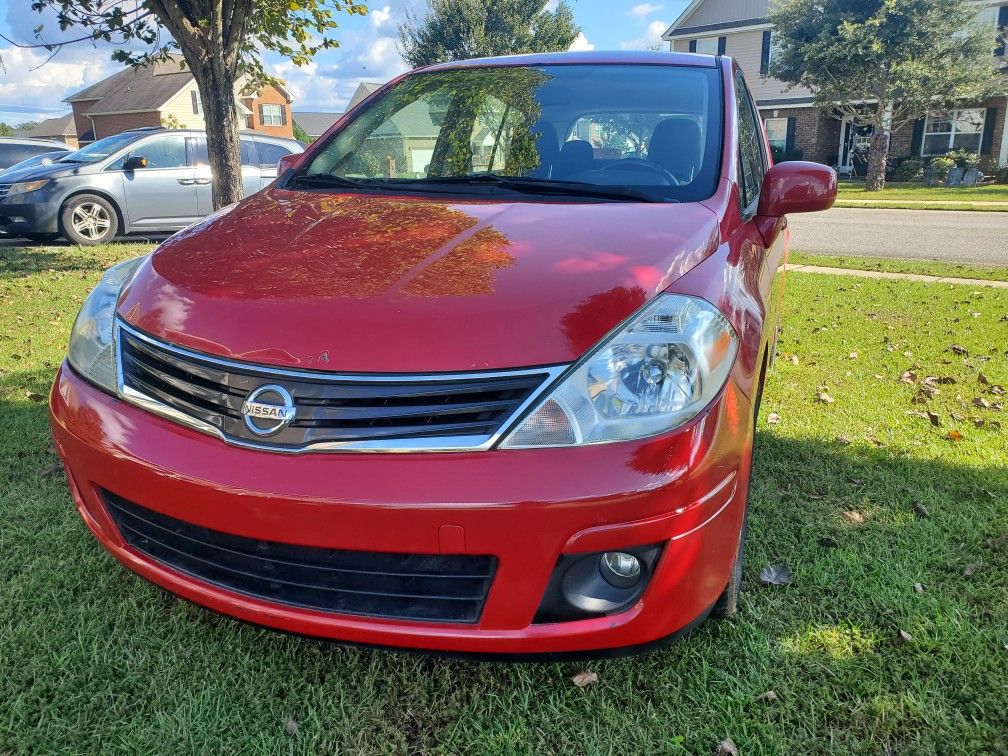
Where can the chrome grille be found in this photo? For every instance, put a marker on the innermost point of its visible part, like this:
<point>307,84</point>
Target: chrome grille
<point>333,412</point>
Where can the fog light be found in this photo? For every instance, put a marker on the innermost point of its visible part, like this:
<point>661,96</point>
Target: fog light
<point>17,219</point>
<point>620,570</point>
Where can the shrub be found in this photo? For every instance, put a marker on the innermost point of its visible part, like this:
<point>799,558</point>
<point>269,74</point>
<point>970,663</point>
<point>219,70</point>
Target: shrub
<point>942,165</point>
<point>910,169</point>
<point>783,156</point>
<point>1001,174</point>
<point>964,158</point>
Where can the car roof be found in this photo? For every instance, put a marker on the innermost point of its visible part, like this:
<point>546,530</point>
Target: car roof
<point>37,142</point>
<point>188,132</point>
<point>591,57</point>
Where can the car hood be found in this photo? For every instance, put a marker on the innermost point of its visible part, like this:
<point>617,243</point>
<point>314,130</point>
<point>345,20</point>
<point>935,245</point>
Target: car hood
<point>32,173</point>
<point>363,283</point>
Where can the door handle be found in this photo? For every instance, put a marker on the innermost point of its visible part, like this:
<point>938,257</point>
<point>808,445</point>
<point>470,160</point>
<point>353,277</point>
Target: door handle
<point>186,182</point>
<point>202,181</point>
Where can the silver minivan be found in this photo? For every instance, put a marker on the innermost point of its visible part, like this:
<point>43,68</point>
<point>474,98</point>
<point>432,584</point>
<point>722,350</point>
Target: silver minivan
<point>150,180</point>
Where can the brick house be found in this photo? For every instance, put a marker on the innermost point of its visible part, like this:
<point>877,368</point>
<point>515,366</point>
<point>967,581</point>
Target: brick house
<point>165,93</point>
<point>740,28</point>
<point>60,129</point>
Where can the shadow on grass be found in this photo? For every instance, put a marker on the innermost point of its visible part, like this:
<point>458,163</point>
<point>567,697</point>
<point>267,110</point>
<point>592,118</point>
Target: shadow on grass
<point>20,258</point>
<point>828,644</point>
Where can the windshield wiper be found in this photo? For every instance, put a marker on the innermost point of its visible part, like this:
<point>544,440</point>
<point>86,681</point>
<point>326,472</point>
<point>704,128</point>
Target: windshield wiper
<point>540,186</point>
<point>328,179</point>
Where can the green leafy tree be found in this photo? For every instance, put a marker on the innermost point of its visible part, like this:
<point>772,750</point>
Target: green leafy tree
<point>222,42</point>
<point>301,135</point>
<point>460,29</point>
<point>26,125</point>
<point>6,129</point>
<point>884,62</point>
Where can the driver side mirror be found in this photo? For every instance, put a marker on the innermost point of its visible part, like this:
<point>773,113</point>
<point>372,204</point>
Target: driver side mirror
<point>797,187</point>
<point>134,162</point>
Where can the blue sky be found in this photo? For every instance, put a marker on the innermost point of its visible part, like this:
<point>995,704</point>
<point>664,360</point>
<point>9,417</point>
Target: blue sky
<point>30,89</point>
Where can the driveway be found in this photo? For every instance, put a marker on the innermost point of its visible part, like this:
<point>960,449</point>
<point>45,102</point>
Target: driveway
<point>972,237</point>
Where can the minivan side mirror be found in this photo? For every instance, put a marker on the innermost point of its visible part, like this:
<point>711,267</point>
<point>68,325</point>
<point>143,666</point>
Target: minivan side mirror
<point>134,162</point>
<point>797,186</point>
<point>288,162</point>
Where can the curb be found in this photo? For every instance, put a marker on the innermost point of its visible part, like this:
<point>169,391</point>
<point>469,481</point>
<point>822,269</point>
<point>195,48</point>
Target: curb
<point>896,276</point>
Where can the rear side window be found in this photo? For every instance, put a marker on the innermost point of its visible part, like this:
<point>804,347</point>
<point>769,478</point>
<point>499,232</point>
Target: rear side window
<point>200,155</point>
<point>270,153</point>
<point>750,150</point>
<point>249,156</point>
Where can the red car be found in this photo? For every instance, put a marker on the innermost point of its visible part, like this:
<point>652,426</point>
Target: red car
<point>478,373</point>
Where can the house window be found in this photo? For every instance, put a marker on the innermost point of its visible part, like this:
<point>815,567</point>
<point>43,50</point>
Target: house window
<point>707,46</point>
<point>776,131</point>
<point>271,115</point>
<point>197,106</point>
<point>953,130</point>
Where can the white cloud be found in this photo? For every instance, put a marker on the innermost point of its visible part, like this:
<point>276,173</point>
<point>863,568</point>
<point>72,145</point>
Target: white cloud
<point>35,89</point>
<point>380,17</point>
<point>581,43</point>
<point>644,9</point>
<point>649,39</point>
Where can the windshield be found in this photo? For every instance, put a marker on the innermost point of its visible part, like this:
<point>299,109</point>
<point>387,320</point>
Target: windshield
<point>101,149</point>
<point>652,130</point>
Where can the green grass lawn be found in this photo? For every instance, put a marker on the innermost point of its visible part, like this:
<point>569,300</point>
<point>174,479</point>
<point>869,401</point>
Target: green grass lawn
<point>96,660</point>
<point>891,265</point>
<point>895,195</point>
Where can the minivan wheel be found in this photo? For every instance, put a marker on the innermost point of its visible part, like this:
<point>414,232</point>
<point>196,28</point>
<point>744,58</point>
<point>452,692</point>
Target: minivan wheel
<point>89,219</point>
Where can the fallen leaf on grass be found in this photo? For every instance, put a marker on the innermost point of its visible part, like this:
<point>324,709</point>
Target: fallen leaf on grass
<point>55,467</point>
<point>34,396</point>
<point>983,379</point>
<point>853,355</point>
<point>827,543</point>
<point>727,747</point>
<point>843,441</point>
<point>935,418</point>
<point>954,435</point>
<point>904,637</point>
<point>794,359</point>
<point>775,574</point>
<point>921,510</point>
<point>852,515</point>
<point>982,403</point>
<point>971,569</point>
<point>957,349</point>
<point>291,727</point>
<point>584,679</point>
<point>909,376</point>
<point>773,419</point>
<point>769,695</point>
<point>825,398</point>
<point>919,587</point>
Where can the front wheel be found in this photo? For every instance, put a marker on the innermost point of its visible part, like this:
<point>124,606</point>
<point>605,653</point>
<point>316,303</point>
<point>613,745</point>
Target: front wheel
<point>88,219</point>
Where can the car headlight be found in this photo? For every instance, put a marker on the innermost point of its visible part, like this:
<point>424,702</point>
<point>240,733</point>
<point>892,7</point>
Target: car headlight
<point>654,374</point>
<point>23,187</point>
<point>92,350</point>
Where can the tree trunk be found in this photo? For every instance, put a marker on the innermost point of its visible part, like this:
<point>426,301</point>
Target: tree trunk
<point>878,157</point>
<point>217,93</point>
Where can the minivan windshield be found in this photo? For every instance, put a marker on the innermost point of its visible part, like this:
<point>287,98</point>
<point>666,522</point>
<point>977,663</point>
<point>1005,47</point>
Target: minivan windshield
<point>620,132</point>
<point>101,149</point>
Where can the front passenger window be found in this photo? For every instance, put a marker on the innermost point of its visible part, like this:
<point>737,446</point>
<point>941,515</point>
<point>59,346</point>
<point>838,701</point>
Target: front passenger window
<point>163,152</point>
<point>750,151</point>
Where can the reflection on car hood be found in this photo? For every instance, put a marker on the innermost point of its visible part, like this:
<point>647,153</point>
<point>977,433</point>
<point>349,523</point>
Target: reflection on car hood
<point>33,173</point>
<point>351,283</point>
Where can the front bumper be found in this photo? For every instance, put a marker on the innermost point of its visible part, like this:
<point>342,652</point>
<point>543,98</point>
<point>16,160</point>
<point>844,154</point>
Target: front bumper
<point>686,490</point>
<point>32,213</point>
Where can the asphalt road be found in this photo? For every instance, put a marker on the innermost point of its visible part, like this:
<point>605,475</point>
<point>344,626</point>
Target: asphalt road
<point>979,238</point>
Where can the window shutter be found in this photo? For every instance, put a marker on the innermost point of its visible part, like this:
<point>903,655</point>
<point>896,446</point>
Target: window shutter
<point>764,66</point>
<point>792,124</point>
<point>917,142</point>
<point>987,140</point>
<point>195,102</point>
<point>722,43</point>
<point>692,45</point>
<point>283,116</point>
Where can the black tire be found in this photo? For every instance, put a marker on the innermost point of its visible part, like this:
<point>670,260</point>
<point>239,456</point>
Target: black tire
<point>727,604</point>
<point>88,219</point>
<point>40,238</point>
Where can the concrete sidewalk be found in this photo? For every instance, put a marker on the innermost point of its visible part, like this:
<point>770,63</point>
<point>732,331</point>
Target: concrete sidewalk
<point>901,276</point>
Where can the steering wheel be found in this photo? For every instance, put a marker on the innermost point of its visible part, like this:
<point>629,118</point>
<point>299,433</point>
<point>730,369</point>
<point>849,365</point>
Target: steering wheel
<point>629,164</point>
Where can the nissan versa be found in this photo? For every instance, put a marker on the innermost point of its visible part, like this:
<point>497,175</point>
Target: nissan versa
<point>478,372</point>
